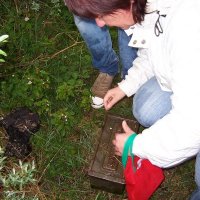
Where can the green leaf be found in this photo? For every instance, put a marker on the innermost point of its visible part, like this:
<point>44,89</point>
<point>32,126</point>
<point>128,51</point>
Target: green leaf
<point>3,53</point>
<point>3,37</point>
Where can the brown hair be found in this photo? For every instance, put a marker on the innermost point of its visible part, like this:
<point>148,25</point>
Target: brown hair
<point>96,8</point>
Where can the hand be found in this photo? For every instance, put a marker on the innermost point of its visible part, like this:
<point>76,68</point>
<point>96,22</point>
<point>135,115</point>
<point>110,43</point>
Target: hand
<point>120,139</point>
<point>112,97</point>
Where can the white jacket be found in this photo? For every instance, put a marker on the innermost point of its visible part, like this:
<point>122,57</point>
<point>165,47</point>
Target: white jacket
<point>174,58</point>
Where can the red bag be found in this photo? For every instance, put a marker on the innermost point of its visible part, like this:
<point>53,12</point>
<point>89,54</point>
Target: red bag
<point>142,178</point>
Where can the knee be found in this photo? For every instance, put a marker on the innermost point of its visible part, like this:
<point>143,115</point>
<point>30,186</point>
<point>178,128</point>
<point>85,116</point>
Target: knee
<point>145,118</point>
<point>80,24</point>
<point>77,20</point>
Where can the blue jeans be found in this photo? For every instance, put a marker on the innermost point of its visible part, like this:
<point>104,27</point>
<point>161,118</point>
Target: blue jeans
<point>196,194</point>
<point>99,43</point>
<point>151,103</point>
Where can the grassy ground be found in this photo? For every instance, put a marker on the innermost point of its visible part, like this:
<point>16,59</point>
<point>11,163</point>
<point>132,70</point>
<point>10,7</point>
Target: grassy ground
<point>48,69</point>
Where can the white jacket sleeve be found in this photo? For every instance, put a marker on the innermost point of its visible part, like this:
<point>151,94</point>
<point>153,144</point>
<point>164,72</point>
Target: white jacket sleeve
<point>176,137</point>
<point>138,74</point>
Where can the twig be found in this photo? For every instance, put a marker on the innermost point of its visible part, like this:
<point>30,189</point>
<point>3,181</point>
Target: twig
<point>49,164</point>
<point>61,51</point>
<point>16,6</point>
<point>40,58</point>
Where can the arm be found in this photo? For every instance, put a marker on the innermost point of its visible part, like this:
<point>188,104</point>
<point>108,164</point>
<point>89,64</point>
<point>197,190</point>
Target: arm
<point>138,74</point>
<point>176,137</point>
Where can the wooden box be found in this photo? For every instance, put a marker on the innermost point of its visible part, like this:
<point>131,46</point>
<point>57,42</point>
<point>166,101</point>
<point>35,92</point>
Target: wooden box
<point>106,171</point>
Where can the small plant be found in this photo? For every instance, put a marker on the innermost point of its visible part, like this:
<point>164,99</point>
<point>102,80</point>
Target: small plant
<point>28,88</point>
<point>15,180</point>
<point>56,8</point>
<point>3,40</point>
<point>35,6</point>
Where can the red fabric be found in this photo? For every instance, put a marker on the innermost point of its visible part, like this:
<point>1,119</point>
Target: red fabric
<point>141,183</point>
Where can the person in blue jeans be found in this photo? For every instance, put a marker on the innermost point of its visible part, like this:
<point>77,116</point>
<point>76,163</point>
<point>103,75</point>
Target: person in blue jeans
<point>104,58</point>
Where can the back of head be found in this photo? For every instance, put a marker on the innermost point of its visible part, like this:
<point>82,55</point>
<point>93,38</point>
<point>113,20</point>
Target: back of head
<point>95,8</point>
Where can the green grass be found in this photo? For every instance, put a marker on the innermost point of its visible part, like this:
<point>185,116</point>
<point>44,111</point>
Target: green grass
<point>49,51</point>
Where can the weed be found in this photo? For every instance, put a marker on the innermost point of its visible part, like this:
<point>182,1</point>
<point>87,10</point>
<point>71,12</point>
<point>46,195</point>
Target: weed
<point>14,182</point>
<point>3,40</point>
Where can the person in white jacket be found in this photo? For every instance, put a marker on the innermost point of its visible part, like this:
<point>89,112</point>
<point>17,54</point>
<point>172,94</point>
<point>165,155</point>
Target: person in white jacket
<point>165,76</point>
